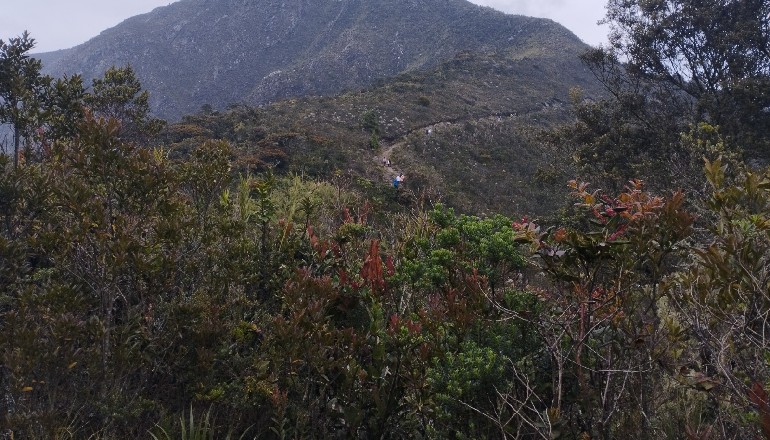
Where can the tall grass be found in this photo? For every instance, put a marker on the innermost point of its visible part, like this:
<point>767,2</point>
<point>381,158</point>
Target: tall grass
<point>191,428</point>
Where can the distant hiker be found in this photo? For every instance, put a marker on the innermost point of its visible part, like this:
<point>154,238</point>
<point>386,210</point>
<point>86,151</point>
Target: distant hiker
<point>387,162</point>
<point>397,181</point>
<point>429,131</point>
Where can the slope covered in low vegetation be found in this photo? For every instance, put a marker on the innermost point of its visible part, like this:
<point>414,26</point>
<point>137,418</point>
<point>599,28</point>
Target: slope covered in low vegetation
<point>484,113</point>
<point>245,274</point>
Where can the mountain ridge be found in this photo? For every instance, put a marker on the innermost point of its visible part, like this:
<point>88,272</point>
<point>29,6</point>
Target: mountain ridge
<point>196,52</point>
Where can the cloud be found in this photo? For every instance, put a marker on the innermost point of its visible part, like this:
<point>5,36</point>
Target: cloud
<point>524,7</point>
<point>50,21</point>
<point>579,16</point>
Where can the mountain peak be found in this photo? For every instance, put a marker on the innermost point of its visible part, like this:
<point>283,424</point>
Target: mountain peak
<point>196,52</point>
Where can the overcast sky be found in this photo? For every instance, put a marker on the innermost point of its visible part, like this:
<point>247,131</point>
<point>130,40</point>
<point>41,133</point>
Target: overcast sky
<point>60,24</point>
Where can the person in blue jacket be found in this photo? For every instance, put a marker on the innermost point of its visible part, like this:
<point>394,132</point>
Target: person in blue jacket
<point>397,180</point>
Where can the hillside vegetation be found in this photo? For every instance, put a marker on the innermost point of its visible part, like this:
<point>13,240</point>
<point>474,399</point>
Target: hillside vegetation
<point>251,272</point>
<point>484,113</point>
<point>144,296</point>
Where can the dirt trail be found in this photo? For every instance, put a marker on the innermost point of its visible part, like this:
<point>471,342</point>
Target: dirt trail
<point>390,170</point>
<point>383,159</point>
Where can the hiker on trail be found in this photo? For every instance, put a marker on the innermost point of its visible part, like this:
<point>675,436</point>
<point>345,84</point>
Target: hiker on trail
<point>397,181</point>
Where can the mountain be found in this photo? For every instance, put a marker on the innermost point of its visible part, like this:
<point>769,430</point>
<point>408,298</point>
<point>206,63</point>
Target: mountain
<point>219,52</point>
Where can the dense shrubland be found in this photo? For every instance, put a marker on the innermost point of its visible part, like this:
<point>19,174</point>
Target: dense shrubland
<point>138,290</point>
<point>185,284</point>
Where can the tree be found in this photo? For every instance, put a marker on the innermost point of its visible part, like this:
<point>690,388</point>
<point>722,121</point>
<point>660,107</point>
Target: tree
<point>119,95</point>
<point>21,87</point>
<point>63,107</point>
<point>670,66</point>
<point>717,54</point>
<point>600,318</point>
<point>634,133</point>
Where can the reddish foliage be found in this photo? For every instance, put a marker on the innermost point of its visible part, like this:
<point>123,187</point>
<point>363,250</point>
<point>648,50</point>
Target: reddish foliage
<point>758,397</point>
<point>371,271</point>
<point>390,266</point>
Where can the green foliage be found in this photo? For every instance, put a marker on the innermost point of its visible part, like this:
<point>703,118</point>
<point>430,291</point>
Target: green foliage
<point>451,247</point>
<point>21,88</point>
<point>727,282</point>
<point>119,95</point>
<point>370,122</point>
<point>711,52</point>
<point>92,263</point>
<point>139,286</point>
<point>600,313</point>
<point>42,111</point>
<point>191,428</point>
<point>671,66</point>
<point>63,108</point>
<point>374,141</point>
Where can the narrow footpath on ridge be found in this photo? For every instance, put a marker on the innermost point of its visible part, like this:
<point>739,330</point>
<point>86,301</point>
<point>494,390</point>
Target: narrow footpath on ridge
<point>383,159</point>
<point>391,170</point>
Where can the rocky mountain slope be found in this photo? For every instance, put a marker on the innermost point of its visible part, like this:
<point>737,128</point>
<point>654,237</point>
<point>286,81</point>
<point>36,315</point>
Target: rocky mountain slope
<point>196,52</point>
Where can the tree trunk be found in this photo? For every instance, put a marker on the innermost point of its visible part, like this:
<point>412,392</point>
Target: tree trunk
<point>16,146</point>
